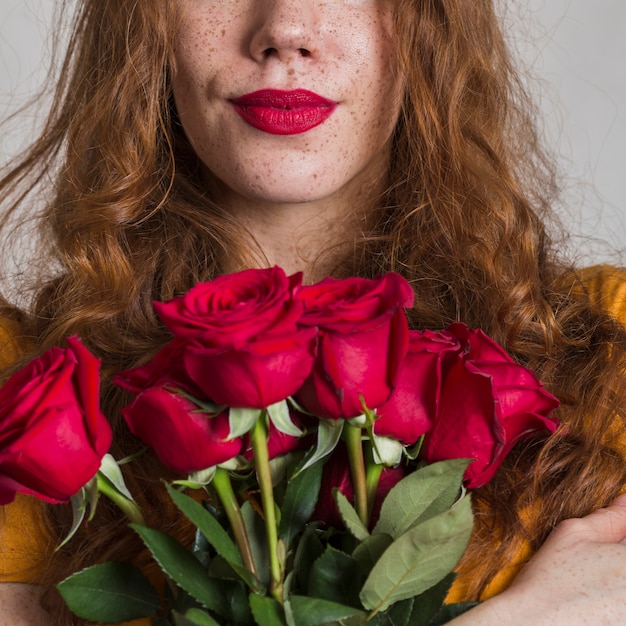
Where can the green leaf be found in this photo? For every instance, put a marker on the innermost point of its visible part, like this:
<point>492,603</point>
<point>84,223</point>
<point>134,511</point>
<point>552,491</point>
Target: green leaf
<point>201,618</point>
<point>266,611</point>
<point>194,617</point>
<point>449,611</point>
<point>207,524</point>
<point>336,577</point>
<point>398,614</point>
<point>416,611</point>
<point>308,550</point>
<point>183,568</point>
<point>299,502</point>
<point>257,537</point>
<point>110,593</point>
<point>281,418</point>
<point>429,603</point>
<point>370,550</point>
<point>313,611</point>
<point>350,517</point>
<point>422,494</point>
<point>213,532</point>
<point>328,434</point>
<point>241,420</point>
<point>237,596</point>
<point>419,558</point>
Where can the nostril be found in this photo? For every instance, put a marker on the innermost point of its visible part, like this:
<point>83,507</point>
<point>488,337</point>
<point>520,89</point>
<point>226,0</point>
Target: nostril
<point>271,52</point>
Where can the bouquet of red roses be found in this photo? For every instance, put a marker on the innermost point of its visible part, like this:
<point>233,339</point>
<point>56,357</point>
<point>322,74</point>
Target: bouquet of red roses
<point>331,444</point>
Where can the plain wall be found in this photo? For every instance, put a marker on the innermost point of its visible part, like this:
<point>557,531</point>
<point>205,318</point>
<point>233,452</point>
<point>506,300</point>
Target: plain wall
<point>577,49</point>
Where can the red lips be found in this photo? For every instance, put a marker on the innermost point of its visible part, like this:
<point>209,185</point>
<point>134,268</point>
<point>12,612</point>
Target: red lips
<point>283,112</point>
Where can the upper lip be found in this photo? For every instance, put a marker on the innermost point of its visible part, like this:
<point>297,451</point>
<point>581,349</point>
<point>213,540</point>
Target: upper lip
<point>281,99</point>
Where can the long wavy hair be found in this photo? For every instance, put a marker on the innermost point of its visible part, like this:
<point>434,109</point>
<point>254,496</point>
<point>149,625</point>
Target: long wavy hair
<point>463,217</point>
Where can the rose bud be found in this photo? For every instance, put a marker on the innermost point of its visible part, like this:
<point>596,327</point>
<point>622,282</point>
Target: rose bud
<point>244,344</point>
<point>183,437</point>
<point>362,341</point>
<point>488,403</point>
<point>52,433</point>
<point>411,409</point>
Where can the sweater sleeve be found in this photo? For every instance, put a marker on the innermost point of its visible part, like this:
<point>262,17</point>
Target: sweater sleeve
<point>606,286</point>
<point>9,344</point>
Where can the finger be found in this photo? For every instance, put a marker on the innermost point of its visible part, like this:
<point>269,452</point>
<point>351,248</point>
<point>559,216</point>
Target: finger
<point>606,525</point>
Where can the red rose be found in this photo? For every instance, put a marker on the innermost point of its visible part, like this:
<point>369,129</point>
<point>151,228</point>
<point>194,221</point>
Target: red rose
<point>52,433</point>
<point>244,345</point>
<point>488,403</point>
<point>181,435</point>
<point>411,409</point>
<point>362,340</point>
<point>165,368</point>
<point>336,474</point>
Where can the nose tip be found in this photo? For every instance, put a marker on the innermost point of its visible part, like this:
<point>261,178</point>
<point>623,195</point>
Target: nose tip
<point>286,30</point>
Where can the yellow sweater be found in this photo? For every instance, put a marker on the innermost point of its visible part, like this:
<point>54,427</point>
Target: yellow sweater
<point>23,548</point>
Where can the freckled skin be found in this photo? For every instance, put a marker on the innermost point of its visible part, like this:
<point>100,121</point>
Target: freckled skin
<point>339,49</point>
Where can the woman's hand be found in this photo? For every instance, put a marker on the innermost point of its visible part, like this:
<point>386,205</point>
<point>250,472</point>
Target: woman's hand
<point>19,606</point>
<point>578,577</point>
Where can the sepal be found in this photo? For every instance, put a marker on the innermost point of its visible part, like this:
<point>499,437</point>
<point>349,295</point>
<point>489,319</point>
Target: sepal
<point>386,451</point>
<point>242,420</point>
<point>281,418</point>
<point>328,435</point>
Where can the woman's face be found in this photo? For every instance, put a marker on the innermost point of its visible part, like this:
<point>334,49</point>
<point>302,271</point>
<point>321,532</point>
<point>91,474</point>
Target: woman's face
<point>288,100</point>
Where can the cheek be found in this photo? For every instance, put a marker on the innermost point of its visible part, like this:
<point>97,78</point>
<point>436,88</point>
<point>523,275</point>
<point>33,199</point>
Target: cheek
<point>377,83</point>
<point>202,40</point>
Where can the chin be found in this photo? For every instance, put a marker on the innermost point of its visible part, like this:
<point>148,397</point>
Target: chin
<point>291,192</point>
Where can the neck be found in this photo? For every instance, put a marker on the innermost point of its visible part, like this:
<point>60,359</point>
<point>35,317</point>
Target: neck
<point>308,237</point>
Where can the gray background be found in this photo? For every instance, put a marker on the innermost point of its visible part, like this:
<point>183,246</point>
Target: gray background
<point>576,50</point>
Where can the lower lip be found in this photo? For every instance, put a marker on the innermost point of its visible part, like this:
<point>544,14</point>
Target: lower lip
<point>276,119</point>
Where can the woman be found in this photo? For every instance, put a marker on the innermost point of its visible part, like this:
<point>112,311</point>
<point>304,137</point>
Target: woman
<point>192,138</point>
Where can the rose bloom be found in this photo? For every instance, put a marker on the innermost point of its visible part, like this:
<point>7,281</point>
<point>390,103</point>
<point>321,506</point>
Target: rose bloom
<point>52,433</point>
<point>166,419</point>
<point>411,409</point>
<point>244,346</point>
<point>166,367</point>
<point>362,341</point>
<point>182,436</point>
<point>488,403</point>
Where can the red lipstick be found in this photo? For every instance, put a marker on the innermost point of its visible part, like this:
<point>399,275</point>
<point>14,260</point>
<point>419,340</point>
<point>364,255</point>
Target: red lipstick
<point>283,112</point>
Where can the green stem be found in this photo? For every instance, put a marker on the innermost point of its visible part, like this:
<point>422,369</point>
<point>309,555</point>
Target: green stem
<point>352,436</point>
<point>224,490</point>
<point>128,507</point>
<point>258,436</point>
<point>372,476</point>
